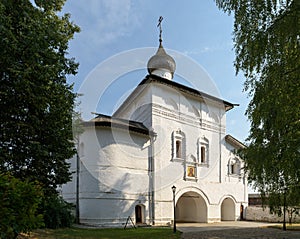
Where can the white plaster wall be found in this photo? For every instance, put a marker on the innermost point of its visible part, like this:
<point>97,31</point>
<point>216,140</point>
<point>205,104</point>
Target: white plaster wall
<point>113,177</point>
<point>211,180</point>
<point>68,189</point>
<point>134,107</point>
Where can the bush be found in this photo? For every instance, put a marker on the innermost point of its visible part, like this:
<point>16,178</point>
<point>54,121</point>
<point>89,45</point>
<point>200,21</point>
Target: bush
<point>18,206</point>
<point>57,212</point>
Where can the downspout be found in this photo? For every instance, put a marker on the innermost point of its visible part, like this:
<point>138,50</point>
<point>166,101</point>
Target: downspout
<point>152,177</point>
<point>77,216</point>
<point>220,148</point>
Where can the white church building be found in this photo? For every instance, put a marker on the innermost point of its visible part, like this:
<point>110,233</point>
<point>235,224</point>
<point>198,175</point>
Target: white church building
<point>164,134</point>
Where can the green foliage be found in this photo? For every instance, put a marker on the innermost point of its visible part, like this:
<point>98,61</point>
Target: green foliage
<point>57,213</point>
<point>36,102</point>
<point>77,123</point>
<point>266,35</point>
<point>18,206</point>
<point>265,32</point>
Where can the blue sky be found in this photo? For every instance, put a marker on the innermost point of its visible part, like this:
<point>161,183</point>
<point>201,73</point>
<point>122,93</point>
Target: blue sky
<point>195,28</point>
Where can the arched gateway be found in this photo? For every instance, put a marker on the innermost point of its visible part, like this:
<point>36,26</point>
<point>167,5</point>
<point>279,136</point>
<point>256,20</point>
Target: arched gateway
<point>228,210</point>
<point>191,207</point>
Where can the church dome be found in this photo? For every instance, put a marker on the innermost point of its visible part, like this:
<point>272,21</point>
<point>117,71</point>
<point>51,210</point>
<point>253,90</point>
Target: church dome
<point>162,64</point>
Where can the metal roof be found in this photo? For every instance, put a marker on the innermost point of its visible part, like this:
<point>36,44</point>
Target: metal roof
<point>108,121</point>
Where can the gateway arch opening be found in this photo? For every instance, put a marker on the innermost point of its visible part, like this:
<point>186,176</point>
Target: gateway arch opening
<point>191,207</point>
<point>228,210</point>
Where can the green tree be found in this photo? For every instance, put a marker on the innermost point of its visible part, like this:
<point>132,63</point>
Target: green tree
<point>267,45</point>
<point>36,101</point>
<point>18,206</point>
<point>57,213</point>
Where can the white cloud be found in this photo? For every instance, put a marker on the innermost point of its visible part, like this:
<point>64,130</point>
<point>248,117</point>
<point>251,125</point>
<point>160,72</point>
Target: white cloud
<point>207,49</point>
<point>110,20</point>
<point>199,51</point>
<point>104,21</point>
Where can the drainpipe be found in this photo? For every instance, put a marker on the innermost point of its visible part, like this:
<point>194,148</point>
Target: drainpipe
<point>220,147</point>
<point>152,177</point>
<point>77,220</point>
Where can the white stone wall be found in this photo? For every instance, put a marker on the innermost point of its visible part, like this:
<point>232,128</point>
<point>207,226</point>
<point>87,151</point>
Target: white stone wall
<point>256,213</point>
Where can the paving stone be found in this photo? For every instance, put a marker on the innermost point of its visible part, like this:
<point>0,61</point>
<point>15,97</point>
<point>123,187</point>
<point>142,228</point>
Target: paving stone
<point>232,230</point>
<point>242,233</point>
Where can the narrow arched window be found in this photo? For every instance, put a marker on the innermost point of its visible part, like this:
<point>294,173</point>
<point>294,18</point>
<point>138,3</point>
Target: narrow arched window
<point>203,154</point>
<point>178,144</point>
<point>178,149</point>
<point>203,150</point>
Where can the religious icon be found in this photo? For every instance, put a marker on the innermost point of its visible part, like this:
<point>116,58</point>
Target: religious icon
<point>190,171</point>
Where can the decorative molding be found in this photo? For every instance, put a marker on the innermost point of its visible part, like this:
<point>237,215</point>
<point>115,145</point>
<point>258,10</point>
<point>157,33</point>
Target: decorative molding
<point>167,113</point>
<point>179,160</point>
<point>195,179</point>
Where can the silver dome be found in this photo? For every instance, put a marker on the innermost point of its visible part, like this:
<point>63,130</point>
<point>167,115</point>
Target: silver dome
<point>161,60</point>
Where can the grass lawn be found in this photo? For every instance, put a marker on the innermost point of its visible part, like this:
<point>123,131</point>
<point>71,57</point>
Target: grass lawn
<point>295,226</point>
<point>131,233</point>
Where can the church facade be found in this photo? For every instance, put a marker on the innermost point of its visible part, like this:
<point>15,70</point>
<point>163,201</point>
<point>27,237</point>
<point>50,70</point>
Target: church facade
<point>165,134</point>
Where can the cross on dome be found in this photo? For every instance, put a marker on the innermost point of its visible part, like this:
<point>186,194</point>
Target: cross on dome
<point>159,25</point>
<point>161,64</point>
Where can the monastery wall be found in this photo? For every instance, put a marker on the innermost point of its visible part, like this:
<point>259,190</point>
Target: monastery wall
<point>258,213</point>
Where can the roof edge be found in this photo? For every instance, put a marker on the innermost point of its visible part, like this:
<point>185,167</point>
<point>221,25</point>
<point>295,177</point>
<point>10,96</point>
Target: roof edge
<point>234,142</point>
<point>150,78</point>
<point>112,122</point>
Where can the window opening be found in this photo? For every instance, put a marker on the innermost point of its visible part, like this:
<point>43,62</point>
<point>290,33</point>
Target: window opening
<point>178,149</point>
<point>203,146</point>
<point>178,145</point>
<point>138,214</point>
<point>232,168</point>
<point>203,156</point>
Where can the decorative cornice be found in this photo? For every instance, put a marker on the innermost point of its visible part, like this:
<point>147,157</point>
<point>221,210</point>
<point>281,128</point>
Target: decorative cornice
<point>164,112</point>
